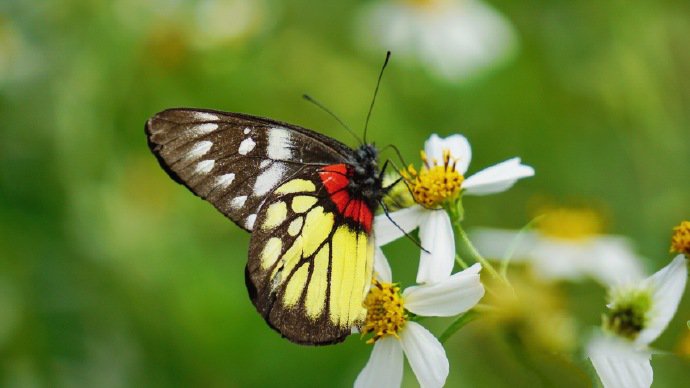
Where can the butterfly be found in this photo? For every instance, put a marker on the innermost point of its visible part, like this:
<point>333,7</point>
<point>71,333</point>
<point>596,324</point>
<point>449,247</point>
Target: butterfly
<point>308,201</point>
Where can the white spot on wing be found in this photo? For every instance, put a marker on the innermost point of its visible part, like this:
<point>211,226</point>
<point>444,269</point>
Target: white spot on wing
<point>204,167</point>
<point>268,179</point>
<point>224,181</point>
<point>295,226</point>
<point>203,129</point>
<point>249,223</point>
<point>279,144</point>
<point>200,149</point>
<point>205,116</point>
<point>246,131</point>
<point>246,146</point>
<point>238,202</point>
<point>264,163</point>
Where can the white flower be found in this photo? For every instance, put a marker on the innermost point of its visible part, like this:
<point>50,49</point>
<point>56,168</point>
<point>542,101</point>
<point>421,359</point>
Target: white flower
<point>221,22</point>
<point>455,39</point>
<point>495,179</point>
<point>622,357</point>
<point>608,259</point>
<point>435,229</point>
<point>425,354</point>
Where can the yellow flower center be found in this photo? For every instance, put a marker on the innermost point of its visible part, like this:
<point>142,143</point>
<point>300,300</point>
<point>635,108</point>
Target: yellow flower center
<point>570,224</point>
<point>385,311</point>
<point>680,242</point>
<point>434,184</point>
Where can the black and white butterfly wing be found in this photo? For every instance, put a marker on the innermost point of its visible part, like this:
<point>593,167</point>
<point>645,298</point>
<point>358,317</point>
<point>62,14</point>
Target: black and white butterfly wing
<point>233,160</point>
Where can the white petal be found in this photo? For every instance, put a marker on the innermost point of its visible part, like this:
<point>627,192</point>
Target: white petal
<point>609,259</point>
<point>406,219</point>
<point>557,259</point>
<point>462,38</point>
<point>500,244</point>
<point>615,261</point>
<point>668,285</point>
<point>452,296</point>
<point>497,178</point>
<point>619,364</point>
<point>436,236</point>
<point>385,365</point>
<point>382,267</point>
<point>458,146</point>
<point>455,40</point>
<point>425,355</point>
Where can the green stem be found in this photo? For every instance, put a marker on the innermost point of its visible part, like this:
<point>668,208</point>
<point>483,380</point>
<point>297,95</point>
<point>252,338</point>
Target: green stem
<point>467,250</point>
<point>461,262</point>
<point>514,244</point>
<point>458,324</point>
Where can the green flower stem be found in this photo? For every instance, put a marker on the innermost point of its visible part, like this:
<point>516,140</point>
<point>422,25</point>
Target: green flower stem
<point>461,262</point>
<point>464,247</point>
<point>468,251</point>
<point>514,244</point>
<point>458,324</point>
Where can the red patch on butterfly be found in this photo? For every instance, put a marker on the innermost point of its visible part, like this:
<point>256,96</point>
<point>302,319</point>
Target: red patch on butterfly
<point>335,179</point>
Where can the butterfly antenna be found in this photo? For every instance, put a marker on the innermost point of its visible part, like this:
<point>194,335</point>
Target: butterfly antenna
<point>397,151</point>
<point>320,105</point>
<point>376,91</point>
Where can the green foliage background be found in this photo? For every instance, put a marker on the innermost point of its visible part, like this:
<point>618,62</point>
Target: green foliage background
<point>112,275</point>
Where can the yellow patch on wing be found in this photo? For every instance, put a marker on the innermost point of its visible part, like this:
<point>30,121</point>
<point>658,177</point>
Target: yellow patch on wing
<point>291,257</point>
<point>317,226</point>
<point>296,186</point>
<point>275,215</point>
<point>302,203</point>
<point>316,293</point>
<point>271,252</point>
<point>352,260</point>
<point>295,286</point>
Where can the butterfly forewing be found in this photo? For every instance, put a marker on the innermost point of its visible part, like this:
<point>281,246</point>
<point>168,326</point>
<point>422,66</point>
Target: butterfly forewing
<point>234,160</point>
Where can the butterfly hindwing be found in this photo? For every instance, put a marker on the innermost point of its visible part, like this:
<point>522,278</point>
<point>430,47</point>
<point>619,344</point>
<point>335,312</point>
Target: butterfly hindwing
<point>309,267</point>
<point>234,160</point>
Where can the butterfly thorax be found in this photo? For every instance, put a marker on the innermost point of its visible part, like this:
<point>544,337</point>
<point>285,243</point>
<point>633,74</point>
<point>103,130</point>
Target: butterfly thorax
<point>365,183</point>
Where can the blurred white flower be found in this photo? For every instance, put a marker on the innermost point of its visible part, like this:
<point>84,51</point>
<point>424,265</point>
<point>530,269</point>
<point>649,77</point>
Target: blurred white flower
<point>203,23</point>
<point>226,21</point>
<point>455,39</point>
<point>395,335</point>
<point>566,245</point>
<point>441,179</point>
<point>637,314</point>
